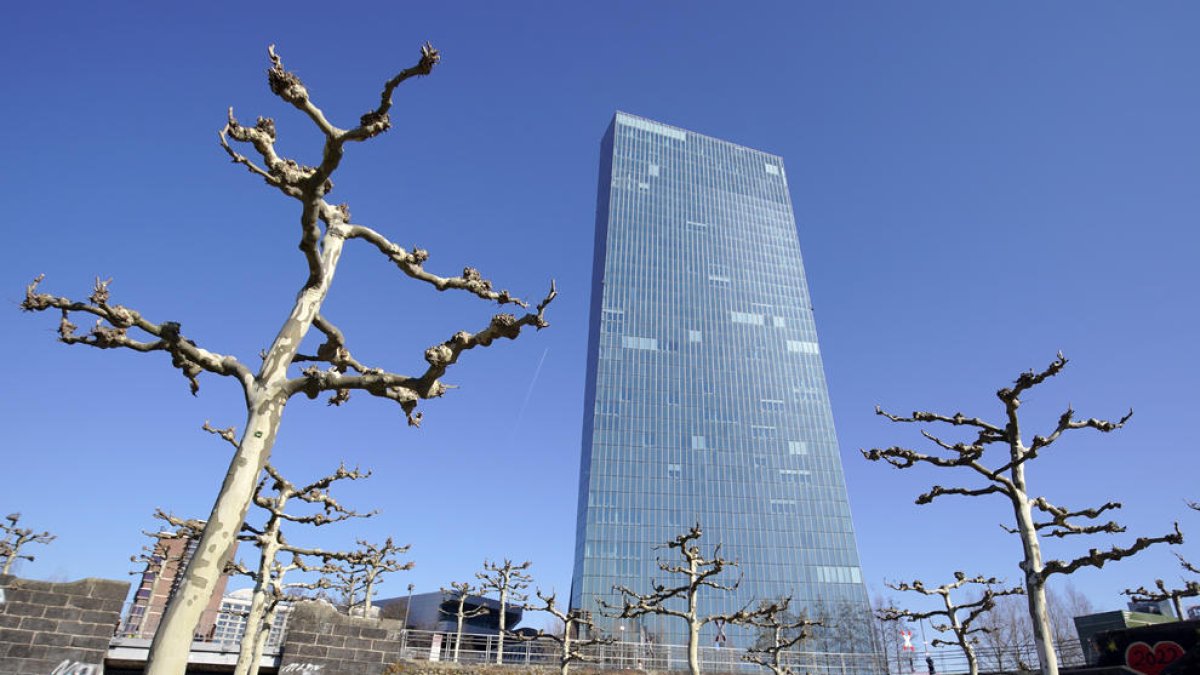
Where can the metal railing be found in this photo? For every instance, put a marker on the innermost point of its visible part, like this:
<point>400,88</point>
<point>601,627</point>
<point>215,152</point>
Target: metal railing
<point>222,629</point>
<point>477,649</point>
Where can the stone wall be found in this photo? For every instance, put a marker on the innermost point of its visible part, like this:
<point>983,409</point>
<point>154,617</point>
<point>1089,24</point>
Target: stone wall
<point>320,640</point>
<point>48,627</point>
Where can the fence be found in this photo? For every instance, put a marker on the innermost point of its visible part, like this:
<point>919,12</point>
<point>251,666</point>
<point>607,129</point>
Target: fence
<point>224,627</point>
<point>477,649</point>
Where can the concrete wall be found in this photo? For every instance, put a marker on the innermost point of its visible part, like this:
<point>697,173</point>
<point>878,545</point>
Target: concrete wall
<point>60,628</point>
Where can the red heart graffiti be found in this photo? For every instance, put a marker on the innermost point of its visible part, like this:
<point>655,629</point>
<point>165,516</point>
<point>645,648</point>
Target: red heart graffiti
<point>1152,661</point>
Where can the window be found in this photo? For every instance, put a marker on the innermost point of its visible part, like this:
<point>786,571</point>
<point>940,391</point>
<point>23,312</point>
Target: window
<point>634,342</point>
<point>779,322</point>
<point>797,448</point>
<point>699,443</point>
<point>675,471</point>
<point>799,347</point>
<point>747,318</point>
<point>693,336</point>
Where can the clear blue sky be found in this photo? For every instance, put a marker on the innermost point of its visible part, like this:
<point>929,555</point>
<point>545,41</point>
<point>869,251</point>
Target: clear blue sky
<point>977,186</point>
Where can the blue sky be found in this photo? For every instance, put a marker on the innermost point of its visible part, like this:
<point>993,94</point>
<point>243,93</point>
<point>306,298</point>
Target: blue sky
<point>977,186</point>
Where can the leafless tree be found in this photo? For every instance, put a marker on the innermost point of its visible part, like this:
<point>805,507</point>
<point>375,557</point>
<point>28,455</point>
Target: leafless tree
<point>1009,479</point>
<point>460,592</point>
<point>780,632</point>
<point>508,580</point>
<point>324,230</point>
<point>698,572</point>
<point>15,538</point>
<point>1190,588</point>
<point>886,632</point>
<point>959,617</point>
<point>578,632</point>
<point>269,585</point>
<point>367,566</point>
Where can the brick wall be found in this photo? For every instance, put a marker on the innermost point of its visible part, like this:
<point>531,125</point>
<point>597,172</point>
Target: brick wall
<point>43,624</point>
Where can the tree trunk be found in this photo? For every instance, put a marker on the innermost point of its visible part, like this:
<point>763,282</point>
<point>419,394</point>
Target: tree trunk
<point>694,646</point>
<point>265,401</point>
<point>1035,589</point>
<point>458,632</point>
<point>248,653</point>
<point>503,612</point>
<point>260,643</point>
<point>173,640</point>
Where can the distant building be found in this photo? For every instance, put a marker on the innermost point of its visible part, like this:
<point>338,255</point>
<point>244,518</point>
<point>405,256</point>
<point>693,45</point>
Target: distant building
<point>437,612</point>
<point>164,573</point>
<point>705,398</point>
<point>230,624</point>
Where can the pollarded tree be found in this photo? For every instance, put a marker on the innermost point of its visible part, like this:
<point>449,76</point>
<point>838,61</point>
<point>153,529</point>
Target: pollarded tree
<point>578,632</point>
<point>779,632</point>
<point>958,625</point>
<point>269,585</point>
<point>683,599</point>
<point>461,591</point>
<point>325,228</point>
<point>508,580</point>
<point>367,566</point>
<point>1008,478</point>
<point>15,538</point>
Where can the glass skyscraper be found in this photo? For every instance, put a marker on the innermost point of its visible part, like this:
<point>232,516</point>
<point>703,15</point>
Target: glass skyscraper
<point>706,397</point>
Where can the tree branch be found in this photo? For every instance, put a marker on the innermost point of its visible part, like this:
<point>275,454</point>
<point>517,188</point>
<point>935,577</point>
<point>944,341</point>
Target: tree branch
<point>1097,558</point>
<point>407,390</point>
<point>111,332</point>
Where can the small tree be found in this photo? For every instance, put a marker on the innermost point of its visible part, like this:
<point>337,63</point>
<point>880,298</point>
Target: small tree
<point>269,585</point>
<point>366,567</point>
<point>957,625</point>
<point>508,580</point>
<point>578,632</point>
<point>698,572</point>
<point>1008,478</point>
<point>324,230</point>
<point>15,538</point>
<point>460,591</point>
<point>1190,589</point>
<point>779,632</point>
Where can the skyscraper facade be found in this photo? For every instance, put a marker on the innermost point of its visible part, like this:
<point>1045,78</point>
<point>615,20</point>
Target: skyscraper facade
<point>706,399</point>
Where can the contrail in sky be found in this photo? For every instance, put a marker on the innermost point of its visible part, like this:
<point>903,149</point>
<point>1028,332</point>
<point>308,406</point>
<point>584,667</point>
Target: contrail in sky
<point>529,392</point>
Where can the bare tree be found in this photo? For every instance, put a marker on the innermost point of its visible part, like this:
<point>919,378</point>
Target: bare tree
<point>461,591</point>
<point>15,538</point>
<point>886,633</point>
<point>269,585</point>
<point>368,565</point>
<point>324,230</point>
<point>1008,479</point>
<point>698,572</point>
<point>508,580</point>
<point>958,625</point>
<point>1161,592</point>
<point>1008,634</point>
<point>780,632</point>
<point>577,635</point>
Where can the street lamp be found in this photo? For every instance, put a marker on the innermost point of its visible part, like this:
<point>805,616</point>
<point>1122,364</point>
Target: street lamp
<point>407,607</point>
